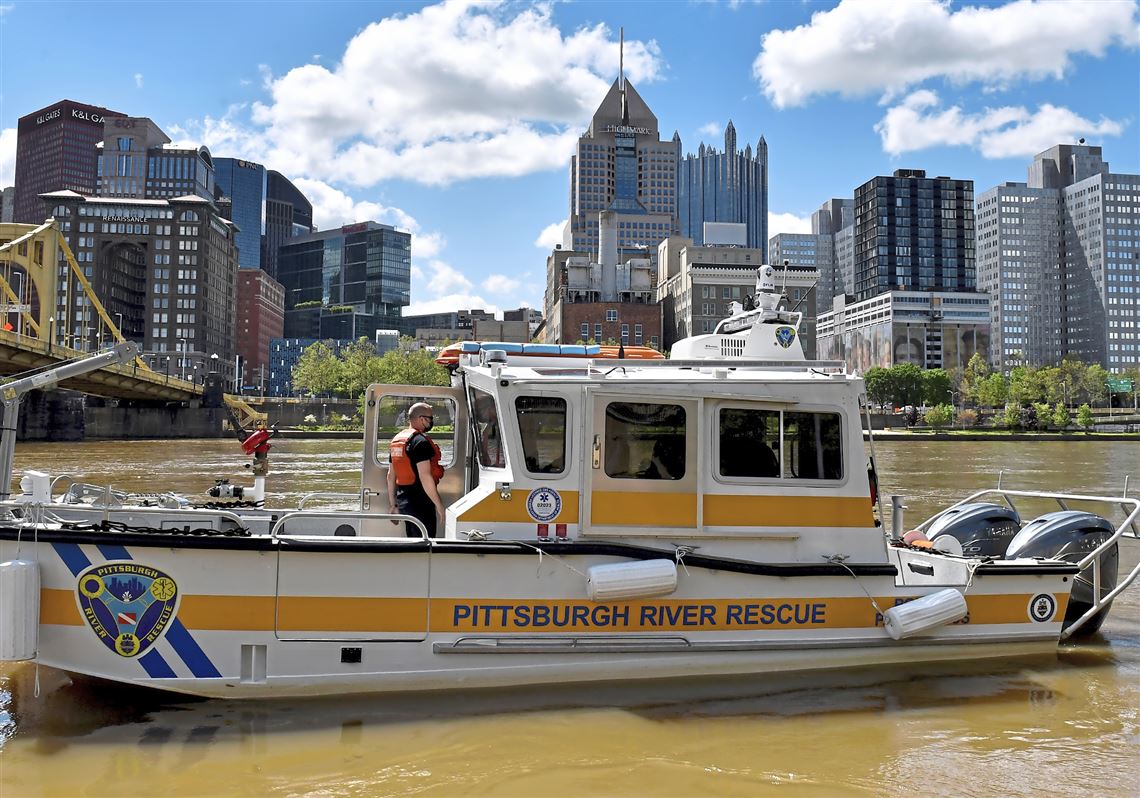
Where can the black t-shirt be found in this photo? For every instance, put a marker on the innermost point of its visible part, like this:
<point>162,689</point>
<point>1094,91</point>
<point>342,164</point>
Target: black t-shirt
<point>418,449</point>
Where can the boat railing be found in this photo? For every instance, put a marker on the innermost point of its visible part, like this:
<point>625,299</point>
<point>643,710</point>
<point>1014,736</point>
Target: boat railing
<point>340,515</point>
<point>827,366</point>
<point>1127,528</point>
<point>357,497</point>
<point>108,513</point>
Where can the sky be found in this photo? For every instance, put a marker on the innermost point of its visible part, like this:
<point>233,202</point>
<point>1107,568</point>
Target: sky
<point>456,120</point>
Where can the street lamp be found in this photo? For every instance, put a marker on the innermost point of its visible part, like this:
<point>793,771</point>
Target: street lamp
<point>182,357</point>
<point>119,324</point>
<point>51,332</point>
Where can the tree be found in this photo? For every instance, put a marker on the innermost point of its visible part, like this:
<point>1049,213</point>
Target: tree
<point>1061,416</point>
<point>908,384</point>
<point>992,391</point>
<point>880,385</point>
<point>940,416</point>
<point>935,387</point>
<point>360,368</point>
<point>977,371</point>
<point>1094,383</point>
<point>1012,416</point>
<point>1025,385</point>
<point>317,371</point>
<point>1085,416</point>
<point>411,368</point>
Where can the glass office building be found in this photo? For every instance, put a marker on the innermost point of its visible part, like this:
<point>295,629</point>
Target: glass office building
<point>288,214</point>
<point>364,266</point>
<point>243,182</point>
<point>729,186</point>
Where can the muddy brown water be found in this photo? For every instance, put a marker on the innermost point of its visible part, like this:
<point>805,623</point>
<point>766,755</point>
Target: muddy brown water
<point>1066,725</point>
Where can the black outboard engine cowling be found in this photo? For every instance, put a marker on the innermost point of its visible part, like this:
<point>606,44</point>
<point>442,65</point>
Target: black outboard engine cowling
<point>983,529</point>
<point>1071,535</point>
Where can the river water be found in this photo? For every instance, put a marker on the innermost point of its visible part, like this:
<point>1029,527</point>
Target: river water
<point>1064,725</point>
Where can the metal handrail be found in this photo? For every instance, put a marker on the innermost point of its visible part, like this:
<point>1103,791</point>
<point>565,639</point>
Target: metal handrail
<point>360,515</point>
<point>329,495</point>
<point>1092,557</point>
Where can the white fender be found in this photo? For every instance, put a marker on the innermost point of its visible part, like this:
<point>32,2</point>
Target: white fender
<point>19,610</point>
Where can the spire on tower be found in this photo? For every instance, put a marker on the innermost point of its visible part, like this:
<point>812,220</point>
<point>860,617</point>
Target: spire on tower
<point>621,78</point>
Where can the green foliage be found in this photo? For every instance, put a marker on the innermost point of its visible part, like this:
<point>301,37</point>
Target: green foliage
<point>318,371</point>
<point>313,303</point>
<point>1061,416</point>
<point>967,418</point>
<point>976,372</point>
<point>992,391</point>
<point>879,384</point>
<point>939,416</point>
<point>1093,383</point>
<point>1085,416</point>
<point>1011,418</point>
<point>908,384</point>
<point>1044,413</point>
<point>936,386</point>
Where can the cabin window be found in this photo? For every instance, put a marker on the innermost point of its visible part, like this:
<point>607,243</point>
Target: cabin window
<point>542,425</point>
<point>749,443</point>
<point>488,434</point>
<point>645,441</point>
<point>755,442</point>
<point>811,446</point>
<point>392,417</point>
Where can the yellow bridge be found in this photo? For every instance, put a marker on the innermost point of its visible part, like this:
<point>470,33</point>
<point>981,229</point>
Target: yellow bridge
<point>31,267</point>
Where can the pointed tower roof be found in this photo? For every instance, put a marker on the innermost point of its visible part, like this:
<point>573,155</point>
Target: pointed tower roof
<point>730,138</point>
<point>610,113</point>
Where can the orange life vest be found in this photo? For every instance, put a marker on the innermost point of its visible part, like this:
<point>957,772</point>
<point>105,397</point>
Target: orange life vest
<point>402,466</point>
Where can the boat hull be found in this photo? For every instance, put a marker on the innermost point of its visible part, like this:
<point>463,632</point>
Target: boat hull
<point>261,617</point>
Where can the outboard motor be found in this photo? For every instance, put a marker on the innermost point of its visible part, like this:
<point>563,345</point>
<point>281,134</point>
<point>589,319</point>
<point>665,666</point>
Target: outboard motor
<point>983,529</point>
<point>1070,535</point>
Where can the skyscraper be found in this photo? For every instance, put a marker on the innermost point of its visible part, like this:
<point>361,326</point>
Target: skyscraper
<point>1061,256</point>
<point>288,213</point>
<point>359,274</point>
<point>729,186</point>
<point>622,167</point>
<point>243,182</point>
<point>55,150</point>
<point>914,233</point>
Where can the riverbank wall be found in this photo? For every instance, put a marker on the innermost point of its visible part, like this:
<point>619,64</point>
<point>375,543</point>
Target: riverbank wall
<point>62,415</point>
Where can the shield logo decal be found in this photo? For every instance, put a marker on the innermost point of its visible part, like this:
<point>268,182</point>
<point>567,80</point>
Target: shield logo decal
<point>127,604</point>
<point>785,336</point>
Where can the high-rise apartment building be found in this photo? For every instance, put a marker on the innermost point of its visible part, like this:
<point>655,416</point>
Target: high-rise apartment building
<point>243,183</point>
<point>55,150</point>
<point>8,205</point>
<point>362,270</point>
<point>1061,256</point>
<point>914,233</point>
<point>288,214</point>
<point>729,186</point>
<point>260,319</point>
<point>166,268</point>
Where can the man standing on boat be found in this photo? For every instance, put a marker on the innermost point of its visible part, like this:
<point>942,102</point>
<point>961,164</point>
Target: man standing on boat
<point>414,471</point>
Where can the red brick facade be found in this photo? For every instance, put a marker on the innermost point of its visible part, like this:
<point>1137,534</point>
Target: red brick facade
<point>260,318</point>
<point>608,318</point>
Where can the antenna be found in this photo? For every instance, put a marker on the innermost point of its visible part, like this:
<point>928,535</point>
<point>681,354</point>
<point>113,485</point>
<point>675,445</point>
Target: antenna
<point>784,287</point>
<point>621,59</point>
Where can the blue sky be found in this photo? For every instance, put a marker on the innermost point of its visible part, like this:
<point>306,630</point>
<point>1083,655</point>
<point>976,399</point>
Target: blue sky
<point>456,120</point>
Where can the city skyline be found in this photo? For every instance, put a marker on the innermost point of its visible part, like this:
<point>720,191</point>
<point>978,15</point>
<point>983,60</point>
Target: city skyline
<point>466,145</point>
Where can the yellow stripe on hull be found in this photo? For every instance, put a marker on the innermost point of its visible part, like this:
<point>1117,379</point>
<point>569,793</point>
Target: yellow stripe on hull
<point>401,615</point>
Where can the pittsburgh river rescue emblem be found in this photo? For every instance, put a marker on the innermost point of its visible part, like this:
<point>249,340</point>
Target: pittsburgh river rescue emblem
<point>543,504</point>
<point>785,336</point>
<point>127,604</point>
<point>1042,607</point>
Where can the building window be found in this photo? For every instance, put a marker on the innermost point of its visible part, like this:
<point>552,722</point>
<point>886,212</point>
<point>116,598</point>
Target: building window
<point>611,315</point>
<point>585,331</point>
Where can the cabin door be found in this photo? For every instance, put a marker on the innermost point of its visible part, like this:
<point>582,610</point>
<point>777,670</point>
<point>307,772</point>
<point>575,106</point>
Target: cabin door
<point>385,414</point>
<point>641,461</point>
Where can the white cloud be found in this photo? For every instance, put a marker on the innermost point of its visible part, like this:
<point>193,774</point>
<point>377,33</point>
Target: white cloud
<point>333,208</point>
<point>919,122</point>
<point>454,91</point>
<point>865,46</point>
<point>499,284</point>
<point>551,236</point>
<point>427,245</point>
<point>442,278</point>
<point>6,8</point>
<point>711,130</point>
<point>449,304</point>
<point>7,156</point>
<point>787,223</point>
<point>138,80</point>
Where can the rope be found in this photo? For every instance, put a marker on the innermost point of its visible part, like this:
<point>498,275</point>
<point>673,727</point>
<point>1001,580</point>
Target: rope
<point>682,551</point>
<point>840,560</point>
<point>120,527</point>
<point>565,565</point>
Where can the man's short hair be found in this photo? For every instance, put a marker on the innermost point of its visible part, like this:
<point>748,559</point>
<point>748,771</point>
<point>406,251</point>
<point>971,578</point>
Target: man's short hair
<point>419,409</point>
